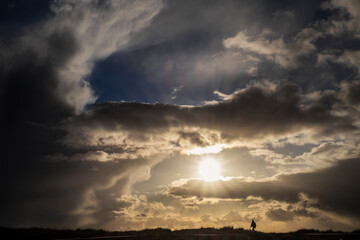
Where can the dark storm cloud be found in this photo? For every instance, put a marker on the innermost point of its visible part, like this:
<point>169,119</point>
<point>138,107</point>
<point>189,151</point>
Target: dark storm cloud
<point>251,112</point>
<point>352,93</point>
<point>336,189</point>
<point>37,192</point>
<point>64,194</point>
<point>282,215</point>
<point>237,188</point>
<point>40,88</point>
<point>29,78</point>
<point>194,137</point>
<point>30,108</point>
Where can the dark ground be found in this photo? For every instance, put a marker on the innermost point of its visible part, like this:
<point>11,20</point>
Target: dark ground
<point>227,233</point>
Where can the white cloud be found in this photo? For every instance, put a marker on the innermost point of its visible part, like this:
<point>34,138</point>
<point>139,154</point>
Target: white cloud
<point>276,49</point>
<point>175,91</point>
<point>96,29</point>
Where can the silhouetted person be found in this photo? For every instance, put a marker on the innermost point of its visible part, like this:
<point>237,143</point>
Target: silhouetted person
<point>253,225</point>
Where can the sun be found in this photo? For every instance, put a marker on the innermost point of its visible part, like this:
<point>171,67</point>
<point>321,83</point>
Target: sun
<point>210,169</point>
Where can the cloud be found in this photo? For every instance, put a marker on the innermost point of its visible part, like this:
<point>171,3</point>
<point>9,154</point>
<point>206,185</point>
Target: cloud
<point>292,213</point>
<point>254,112</point>
<point>68,44</point>
<point>75,193</point>
<point>345,24</point>
<point>275,49</point>
<point>234,216</point>
<point>348,58</point>
<point>287,41</point>
<point>341,197</point>
<point>145,210</point>
<point>320,156</point>
<point>141,212</point>
<point>197,68</point>
<point>236,188</point>
<point>43,81</point>
<point>175,91</point>
<point>343,34</point>
<point>351,92</point>
<point>101,29</point>
<point>195,138</point>
<point>187,46</point>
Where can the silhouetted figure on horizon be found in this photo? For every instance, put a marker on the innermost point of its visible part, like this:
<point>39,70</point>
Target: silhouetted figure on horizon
<point>253,225</point>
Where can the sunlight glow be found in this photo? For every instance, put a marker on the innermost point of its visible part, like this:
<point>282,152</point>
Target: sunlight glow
<point>210,169</point>
<point>205,150</point>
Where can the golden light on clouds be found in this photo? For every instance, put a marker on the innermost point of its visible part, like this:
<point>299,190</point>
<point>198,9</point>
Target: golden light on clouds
<point>205,150</point>
<point>210,169</point>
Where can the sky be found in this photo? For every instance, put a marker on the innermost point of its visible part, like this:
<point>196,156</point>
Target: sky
<point>126,115</point>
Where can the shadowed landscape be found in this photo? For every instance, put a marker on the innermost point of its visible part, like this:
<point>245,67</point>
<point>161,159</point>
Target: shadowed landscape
<point>226,233</point>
